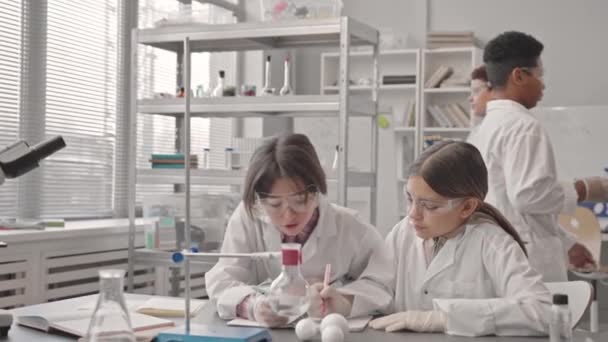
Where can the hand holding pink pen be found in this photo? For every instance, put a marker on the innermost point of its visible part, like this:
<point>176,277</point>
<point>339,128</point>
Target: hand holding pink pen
<point>326,280</point>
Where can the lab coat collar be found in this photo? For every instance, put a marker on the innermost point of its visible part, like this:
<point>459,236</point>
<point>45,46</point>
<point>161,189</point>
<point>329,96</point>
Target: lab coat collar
<point>325,229</point>
<point>502,104</point>
<point>443,259</point>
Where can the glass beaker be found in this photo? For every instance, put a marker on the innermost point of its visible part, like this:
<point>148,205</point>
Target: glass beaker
<point>110,320</point>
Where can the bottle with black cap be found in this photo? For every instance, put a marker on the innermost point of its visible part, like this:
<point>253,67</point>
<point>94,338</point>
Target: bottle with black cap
<point>560,329</point>
<point>218,91</point>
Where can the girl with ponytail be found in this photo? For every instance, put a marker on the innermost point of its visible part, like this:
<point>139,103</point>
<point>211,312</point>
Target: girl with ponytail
<point>454,264</point>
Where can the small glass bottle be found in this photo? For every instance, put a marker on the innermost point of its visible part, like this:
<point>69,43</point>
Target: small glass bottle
<point>286,89</point>
<point>110,320</point>
<point>334,164</point>
<point>218,91</point>
<point>289,292</point>
<point>206,159</point>
<point>200,91</point>
<point>228,157</point>
<point>560,326</point>
<point>267,90</point>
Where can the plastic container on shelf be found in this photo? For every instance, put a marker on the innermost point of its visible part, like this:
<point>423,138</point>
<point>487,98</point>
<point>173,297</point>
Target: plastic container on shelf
<point>276,10</point>
<point>185,15</point>
<point>206,158</point>
<point>208,219</point>
<point>228,153</point>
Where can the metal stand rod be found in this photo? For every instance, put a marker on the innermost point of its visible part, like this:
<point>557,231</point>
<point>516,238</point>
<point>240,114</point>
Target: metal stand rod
<point>187,174</point>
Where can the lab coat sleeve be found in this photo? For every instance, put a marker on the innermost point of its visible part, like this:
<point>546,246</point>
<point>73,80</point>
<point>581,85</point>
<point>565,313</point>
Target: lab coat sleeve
<point>570,203</point>
<point>374,290</point>
<point>370,244</point>
<point>530,173</point>
<point>229,281</point>
<point>522,306</point>
<point>571,197</point>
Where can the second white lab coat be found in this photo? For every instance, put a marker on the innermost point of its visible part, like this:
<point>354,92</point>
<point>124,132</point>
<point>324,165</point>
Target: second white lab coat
<point>340,238</point>
<point>523,183</point>
<point>480,279</point>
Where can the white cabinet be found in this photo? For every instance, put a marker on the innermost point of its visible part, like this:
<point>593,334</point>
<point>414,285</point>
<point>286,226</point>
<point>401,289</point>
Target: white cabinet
<point>441,107</point>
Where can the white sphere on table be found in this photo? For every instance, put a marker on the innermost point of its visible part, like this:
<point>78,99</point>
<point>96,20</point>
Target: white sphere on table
<point>306,329</point>
<point>335,319</point>
<point>332,333</point>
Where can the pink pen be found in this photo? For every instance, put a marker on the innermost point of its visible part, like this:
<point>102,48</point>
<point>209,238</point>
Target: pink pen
<point>326,279</point>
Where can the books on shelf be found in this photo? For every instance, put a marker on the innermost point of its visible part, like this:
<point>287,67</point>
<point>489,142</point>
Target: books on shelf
<point>410,118</point>
<point>398,79</point>
<point>404,115</point>
<point>456,80</point>
<point>446,39</point>
<point>441,74</point>
<point>77,322</point>
<point>172,161</point>
<point>450,115</point>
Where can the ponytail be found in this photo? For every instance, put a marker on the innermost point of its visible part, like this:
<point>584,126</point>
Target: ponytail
<point>495,214</point>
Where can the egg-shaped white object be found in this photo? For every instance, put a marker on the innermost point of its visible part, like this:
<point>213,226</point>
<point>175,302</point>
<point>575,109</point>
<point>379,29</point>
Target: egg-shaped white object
<point>332,333</point>
<point>306,329</point>
<point>336,320</point>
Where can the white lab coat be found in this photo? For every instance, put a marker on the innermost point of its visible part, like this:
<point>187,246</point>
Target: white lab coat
<point>480,279</point>
<point>523,183</point>
<point>340,238</point>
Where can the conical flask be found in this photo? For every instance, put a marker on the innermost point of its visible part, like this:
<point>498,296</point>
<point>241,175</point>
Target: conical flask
<point>289,293</point>
<point>110,320</point>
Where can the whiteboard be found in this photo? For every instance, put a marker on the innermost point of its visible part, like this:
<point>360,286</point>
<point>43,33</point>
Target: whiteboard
<point>580,138</point>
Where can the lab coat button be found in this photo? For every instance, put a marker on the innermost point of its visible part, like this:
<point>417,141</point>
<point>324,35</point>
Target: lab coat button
<point>426,292</point>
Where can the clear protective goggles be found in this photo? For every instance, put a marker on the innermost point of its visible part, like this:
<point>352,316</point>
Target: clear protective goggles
<point>274,205</point>
<point>540,75</point>
<point>430,207</point>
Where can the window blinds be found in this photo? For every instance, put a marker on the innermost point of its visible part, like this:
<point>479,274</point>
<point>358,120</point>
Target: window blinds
<point>81,106</point>
<point>157,70</point>
<point>10,61</point>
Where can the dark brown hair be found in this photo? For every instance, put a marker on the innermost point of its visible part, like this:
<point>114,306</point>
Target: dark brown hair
<point>455,169</point>
<point>480,73</point>
<point>288,155</point>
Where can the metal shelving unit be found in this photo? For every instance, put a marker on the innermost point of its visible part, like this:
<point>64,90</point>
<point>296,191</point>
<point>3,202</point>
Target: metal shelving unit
<point>342,32</point>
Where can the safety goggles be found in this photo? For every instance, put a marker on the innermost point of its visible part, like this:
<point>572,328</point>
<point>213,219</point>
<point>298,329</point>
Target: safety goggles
<point>274,205</point>
<point>430,207</point>
<point>530,71</point>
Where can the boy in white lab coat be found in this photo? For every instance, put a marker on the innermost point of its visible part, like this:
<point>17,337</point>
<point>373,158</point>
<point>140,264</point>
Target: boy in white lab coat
<point>454,264</point>
<point>284,202</point>
<point>575,191</point>
<point>523,181</point>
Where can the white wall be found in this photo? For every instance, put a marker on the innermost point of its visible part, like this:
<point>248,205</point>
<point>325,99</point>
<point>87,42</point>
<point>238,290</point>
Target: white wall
<point>576,51</point>
<point>573,32</point>
<point>404,17</point>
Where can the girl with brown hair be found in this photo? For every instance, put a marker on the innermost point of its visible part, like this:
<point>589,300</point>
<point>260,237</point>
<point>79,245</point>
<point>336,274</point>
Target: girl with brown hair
<point>455,264</point>
<point>284,202</point>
